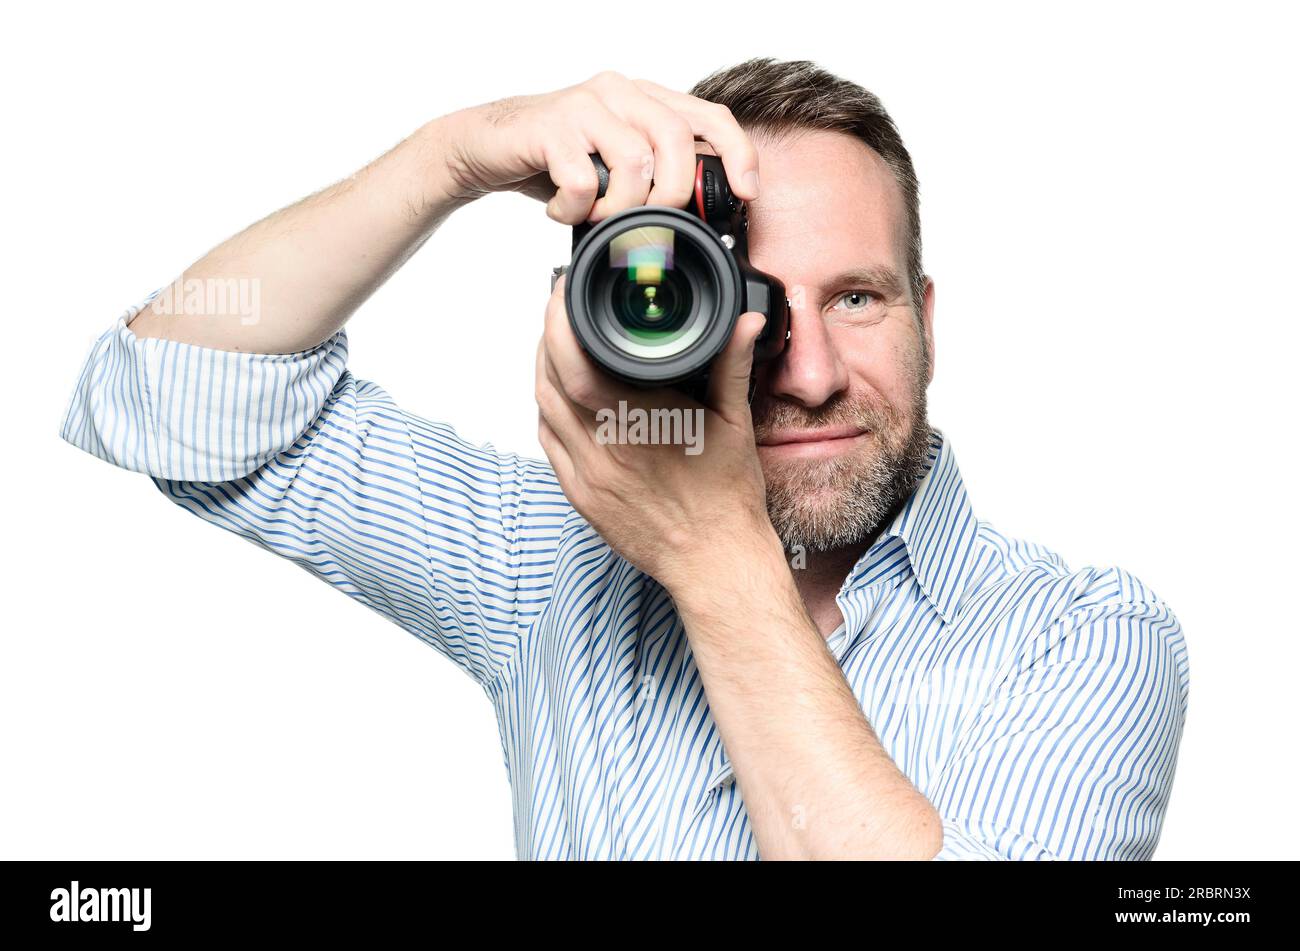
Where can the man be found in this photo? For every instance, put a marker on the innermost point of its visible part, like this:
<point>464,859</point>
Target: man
<point>799,643</point>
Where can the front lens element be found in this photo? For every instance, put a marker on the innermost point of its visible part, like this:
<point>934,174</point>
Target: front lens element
<point>649,292</point>
<point>653,294</point>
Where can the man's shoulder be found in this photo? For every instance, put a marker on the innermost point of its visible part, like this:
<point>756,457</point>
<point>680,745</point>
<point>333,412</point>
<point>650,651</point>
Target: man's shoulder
<point>1040,603</point>
<point>1005,561</point>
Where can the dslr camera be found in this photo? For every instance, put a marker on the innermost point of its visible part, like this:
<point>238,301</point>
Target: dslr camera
<point>653,293</point>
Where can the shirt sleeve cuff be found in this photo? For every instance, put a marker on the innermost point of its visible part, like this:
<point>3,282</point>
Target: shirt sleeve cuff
<point>187,413</point>
<point>965,841</point>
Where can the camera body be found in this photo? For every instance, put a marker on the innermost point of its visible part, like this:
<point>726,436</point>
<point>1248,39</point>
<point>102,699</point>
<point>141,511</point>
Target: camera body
<point>653,293</point>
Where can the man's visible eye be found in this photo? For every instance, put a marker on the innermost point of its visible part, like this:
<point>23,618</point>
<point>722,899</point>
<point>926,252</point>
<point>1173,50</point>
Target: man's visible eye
<point>858,300</point>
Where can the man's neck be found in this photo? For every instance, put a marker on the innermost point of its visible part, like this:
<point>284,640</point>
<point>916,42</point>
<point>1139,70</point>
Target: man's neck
<point>823,574</point>
<point>819,578</point>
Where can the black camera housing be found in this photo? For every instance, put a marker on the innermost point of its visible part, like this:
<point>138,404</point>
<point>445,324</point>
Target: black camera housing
<point>709,240</point>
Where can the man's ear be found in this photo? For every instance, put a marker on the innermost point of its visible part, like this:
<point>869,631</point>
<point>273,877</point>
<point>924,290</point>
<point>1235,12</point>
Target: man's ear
<point>927,323</point>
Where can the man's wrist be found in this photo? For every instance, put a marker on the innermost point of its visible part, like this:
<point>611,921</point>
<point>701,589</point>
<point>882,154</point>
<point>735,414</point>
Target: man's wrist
<point>438,152</point>
<point>741,566</point>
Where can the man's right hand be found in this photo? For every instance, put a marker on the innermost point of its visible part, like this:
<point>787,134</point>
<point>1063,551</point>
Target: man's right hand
<point>646,134</point>
<point>315,262</point>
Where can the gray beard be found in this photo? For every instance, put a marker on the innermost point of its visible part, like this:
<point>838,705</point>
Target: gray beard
<point>846,501</point>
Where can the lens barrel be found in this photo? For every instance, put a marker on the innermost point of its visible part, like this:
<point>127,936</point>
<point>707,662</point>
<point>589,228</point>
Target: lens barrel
<point>653,295</point>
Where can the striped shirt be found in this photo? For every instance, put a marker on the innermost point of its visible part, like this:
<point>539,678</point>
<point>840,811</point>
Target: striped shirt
<point>1038,708</point>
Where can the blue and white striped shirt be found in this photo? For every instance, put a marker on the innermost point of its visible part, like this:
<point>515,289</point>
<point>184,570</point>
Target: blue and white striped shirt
<point>1039,709</point>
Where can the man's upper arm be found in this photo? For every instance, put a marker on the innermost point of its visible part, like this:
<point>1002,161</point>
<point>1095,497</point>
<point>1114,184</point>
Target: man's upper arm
<point>453,542</point>
<point>1073,755</point>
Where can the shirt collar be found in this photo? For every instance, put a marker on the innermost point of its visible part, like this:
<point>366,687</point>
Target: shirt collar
<point>937,528</point>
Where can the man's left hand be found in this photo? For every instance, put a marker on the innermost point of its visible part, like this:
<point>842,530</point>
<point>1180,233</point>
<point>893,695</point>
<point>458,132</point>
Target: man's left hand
<point>663,509</point>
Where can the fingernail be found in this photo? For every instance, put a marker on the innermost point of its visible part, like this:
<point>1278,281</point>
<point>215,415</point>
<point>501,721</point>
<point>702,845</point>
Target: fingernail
<point>751,182</point>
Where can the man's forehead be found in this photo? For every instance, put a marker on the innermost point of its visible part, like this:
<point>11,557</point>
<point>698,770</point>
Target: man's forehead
<point>822,155</point>
<point>827,203</point>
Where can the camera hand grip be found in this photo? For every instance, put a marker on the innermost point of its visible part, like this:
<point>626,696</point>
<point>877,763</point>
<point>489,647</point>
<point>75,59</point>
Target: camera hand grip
<point>602,172</point>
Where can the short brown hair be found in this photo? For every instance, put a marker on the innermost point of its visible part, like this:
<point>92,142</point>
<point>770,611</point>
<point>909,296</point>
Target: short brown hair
<point>772,97</point>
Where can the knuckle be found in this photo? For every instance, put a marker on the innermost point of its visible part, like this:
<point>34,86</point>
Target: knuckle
<point>576,183</point>
<point>583,190</point>
<point>680,133</point>
<point>680,130</point>
<point>550,328</point>
<point>549,402</point>
<point>608,77</point>
<point>722,111</point>
<point>633,157</point>
<point>585,98</point>
<point>581,390</point>
<point>574,176</point>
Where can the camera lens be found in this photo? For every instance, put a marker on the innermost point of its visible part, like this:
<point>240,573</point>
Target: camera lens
<point>653,295</point>
<point>651,306</point>
<point>650,298</point>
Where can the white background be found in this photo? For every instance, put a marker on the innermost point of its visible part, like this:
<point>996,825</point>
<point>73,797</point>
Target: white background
<point>1109,206</point>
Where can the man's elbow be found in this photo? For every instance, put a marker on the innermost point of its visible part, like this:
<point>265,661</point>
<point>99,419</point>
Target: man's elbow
<point>918,839</point>
<point>926,839</point>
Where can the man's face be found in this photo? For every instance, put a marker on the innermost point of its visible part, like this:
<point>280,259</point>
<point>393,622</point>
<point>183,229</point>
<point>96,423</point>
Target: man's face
<point>839,418</point>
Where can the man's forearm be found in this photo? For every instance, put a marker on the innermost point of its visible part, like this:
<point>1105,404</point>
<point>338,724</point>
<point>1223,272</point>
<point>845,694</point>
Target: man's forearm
<point>815,779</point>
<point>313,263</point>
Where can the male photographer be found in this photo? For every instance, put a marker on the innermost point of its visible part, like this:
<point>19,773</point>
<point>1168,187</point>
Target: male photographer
<point>666,684</point>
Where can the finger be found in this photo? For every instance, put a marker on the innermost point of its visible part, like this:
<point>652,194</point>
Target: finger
<point>575,178</point>
<point>671,138</point>
<point>626,153</point>
<point>577,378</point>
<point>569,425</point>
<point>575,374</point>
<point>561,461</point>
<point>716,125</point>
<point>582,413</point>
<point>729,376</point>
<point>539,187</point>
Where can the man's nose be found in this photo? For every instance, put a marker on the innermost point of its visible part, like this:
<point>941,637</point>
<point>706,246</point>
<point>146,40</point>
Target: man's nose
<point>810,370</point>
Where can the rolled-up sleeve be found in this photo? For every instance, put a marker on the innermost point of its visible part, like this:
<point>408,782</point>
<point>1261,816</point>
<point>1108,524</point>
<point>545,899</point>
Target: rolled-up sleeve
<point>1073,755</point>
<point>969,841</point>
<point>177,411</point>
<point>451,541</point>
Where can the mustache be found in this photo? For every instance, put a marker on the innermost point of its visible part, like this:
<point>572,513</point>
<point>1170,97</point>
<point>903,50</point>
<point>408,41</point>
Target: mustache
<point>772,415</point>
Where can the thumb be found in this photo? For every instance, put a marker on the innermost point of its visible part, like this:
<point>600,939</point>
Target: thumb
<point>729,377</point>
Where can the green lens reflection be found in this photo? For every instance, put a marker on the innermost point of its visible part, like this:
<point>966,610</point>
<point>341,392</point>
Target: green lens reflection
<point>650,298</point>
